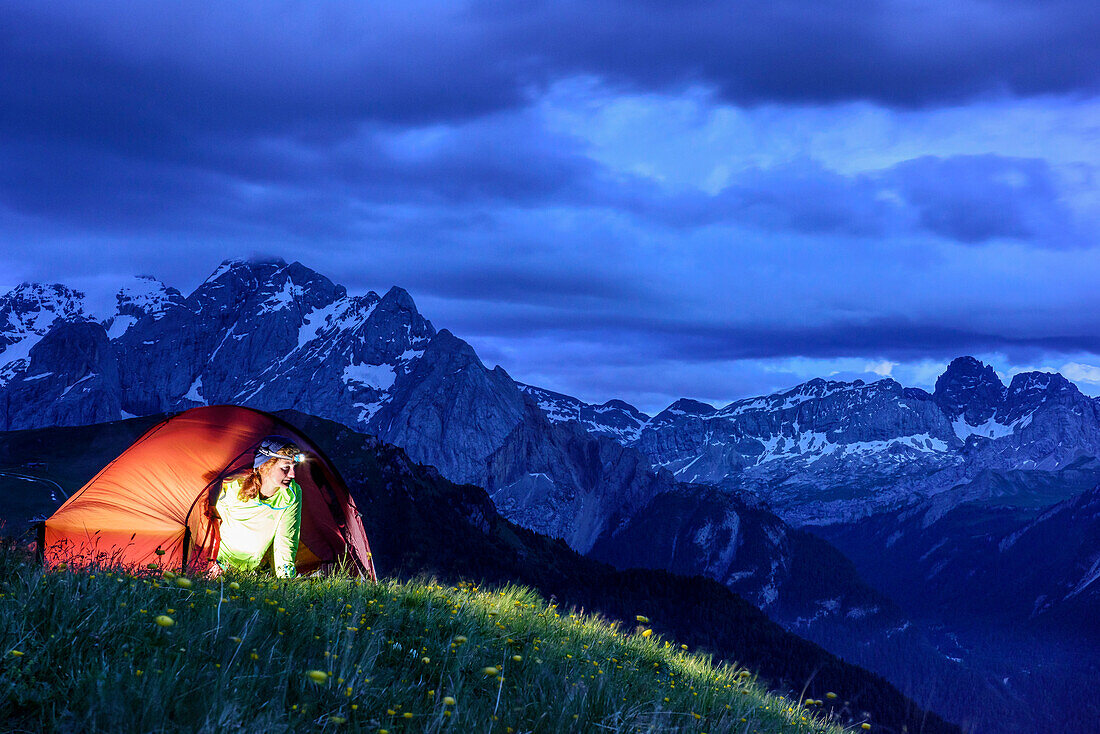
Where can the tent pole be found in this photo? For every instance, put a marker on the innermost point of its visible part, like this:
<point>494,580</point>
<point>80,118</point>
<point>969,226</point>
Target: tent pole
<point>40,544</point>
<point>186,548</point>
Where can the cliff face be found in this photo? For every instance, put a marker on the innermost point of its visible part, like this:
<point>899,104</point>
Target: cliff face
<point>71,379</point>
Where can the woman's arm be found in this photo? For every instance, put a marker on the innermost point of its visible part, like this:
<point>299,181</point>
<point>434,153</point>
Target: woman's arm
<point>286,534</point>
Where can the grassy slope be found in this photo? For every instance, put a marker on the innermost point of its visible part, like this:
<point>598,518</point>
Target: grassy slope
<point>94,659</point>
<point>419,523</point>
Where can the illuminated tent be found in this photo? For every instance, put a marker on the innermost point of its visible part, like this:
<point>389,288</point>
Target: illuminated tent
<point>160,495</point>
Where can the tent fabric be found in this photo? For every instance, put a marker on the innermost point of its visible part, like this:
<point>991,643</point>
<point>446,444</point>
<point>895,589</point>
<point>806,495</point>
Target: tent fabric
<point>160,495</point>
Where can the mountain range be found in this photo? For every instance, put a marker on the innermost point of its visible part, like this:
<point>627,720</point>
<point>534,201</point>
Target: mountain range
<point>848,511</point>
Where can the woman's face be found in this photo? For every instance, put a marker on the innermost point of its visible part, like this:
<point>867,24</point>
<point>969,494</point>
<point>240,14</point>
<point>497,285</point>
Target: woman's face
<point>278,473</point>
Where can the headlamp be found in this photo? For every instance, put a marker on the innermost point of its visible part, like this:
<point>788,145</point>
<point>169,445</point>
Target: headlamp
<point>296,458</point>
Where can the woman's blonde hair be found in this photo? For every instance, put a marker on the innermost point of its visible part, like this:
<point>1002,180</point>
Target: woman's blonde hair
<point>250,483</point>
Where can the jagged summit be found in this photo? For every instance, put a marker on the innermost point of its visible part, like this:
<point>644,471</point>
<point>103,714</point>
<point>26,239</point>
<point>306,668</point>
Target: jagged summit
<point>258,331</point>
<point>623,405</point>
<point>144,296</point>
<point>246,263</point>
<point>1030,382</point>
<point>400,298</point>
<point>687,406</point>
<point>970,389</point>
<point>30,309</point>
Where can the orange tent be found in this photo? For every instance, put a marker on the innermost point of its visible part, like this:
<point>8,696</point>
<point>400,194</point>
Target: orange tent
<point>160,494</point>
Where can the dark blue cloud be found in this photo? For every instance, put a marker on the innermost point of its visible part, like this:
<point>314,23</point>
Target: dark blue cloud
<point>797,196</point>
<point>967,199</point>
<point>143,77</point>
<point>895,53</point>
<point>280,186</point>
<point>146,77</point>
<point>974,199</point>
<point>893,337</point>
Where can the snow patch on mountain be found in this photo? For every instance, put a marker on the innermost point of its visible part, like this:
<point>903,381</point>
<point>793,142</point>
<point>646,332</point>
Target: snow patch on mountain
<point>285,298</point>
<point>317,320</point>
<point>378,376</point>
<point>195,392</point>
<point>85,378</point>
<point>992,428</point>
<point>615,419</point>
<point>367,410</point>
<point>119,326</point>
<point>1090,576</point>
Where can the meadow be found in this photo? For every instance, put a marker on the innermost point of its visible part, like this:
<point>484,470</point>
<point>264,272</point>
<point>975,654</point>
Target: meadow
<point>152,651</point>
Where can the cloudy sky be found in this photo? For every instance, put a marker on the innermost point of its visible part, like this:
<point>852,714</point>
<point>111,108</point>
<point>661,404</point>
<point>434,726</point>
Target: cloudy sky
<point>642,200</point>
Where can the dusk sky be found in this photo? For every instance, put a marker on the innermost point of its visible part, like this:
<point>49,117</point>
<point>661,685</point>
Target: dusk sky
<point>640,200</point>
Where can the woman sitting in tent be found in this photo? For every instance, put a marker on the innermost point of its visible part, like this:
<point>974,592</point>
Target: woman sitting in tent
<point>261,511</point>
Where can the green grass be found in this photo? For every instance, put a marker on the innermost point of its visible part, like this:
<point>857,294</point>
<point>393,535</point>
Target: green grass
<point>82,651</point>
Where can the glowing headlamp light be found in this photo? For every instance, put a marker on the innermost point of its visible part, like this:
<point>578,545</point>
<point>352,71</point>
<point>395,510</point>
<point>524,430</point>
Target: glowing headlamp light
<point>296,458</point>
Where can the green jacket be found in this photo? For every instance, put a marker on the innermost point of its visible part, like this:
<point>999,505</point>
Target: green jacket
<point>249,528</point>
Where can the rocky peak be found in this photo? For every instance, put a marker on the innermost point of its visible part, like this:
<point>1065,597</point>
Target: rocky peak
<point>144,296</point>
<point>1040,382</point>
<point>1029,392</point>
<point>687,406</point>
<point>446,349</point>
<point>449,410</point>
<point>397,308</point>
<point>398,298</point>
<point>312,282</point>
<point>30,309</point>
<point>970,389</point>
<point>373,330</point>
<point>915,393</point>
<point>627,408</point>
<point>240,266</point>
<point>265,286</point>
